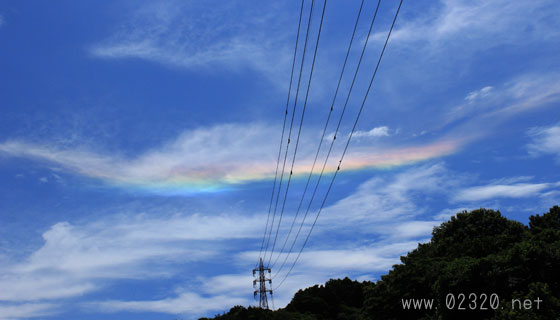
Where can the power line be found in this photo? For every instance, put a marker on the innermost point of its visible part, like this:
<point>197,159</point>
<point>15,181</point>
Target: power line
<point>322,136</point>
<point>283,129</point>
<point>300,126</point>
<point>291,126</point>
<point>334,138</point>
<point>347,142</point>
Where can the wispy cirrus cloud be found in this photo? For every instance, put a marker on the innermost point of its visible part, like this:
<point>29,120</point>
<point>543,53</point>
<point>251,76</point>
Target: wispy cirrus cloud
<point>187,35</point>
<point>396,206</point>
<point>377,132</point>
<point>492,21</point>
<point>224,291</point>
<point>546,140</point>
<point>81,258</point>
<point>479,94</point>
<point>318,264</point>
<point>185,303</point>
<point>360,259</point>
<point>490,106</point>
<point>455,41</point>
<point>382,201</point>
<point>26,310</point>
<point>75,257</point>
<point>494,191</point>
<point>215,158</point>
<point>382,131</point>
<point>523,93</point>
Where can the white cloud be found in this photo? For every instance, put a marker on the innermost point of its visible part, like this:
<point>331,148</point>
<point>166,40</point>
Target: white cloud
<point>387,200</point>
<point>217,294</point>
<point>392,210</point>
<point>485,22</point>
<point>446,214</point>
<point>519,190</point>
<point>239,284</point>
<point>415,229</point>
<point>188,35</point>
<point>75,258</point>
<point>529,91</point>
<point>315,266</point>
<point>375,132</point>
<point>457,38</point>
<point>479,94</point>
<point>208,159</point>
<point>185,303</point>
<point>385,209</point>
<point>388,209</point>
<point>33,286</point>
<point>546,140</point>
<point>377,258</point>
<point>512,180</point>
<point>390,217</point>
<point>487,108</point>
<point>26,310</point>
<point>200,159</point>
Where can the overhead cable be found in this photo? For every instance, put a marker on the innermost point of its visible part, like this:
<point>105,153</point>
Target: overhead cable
<point>300,126</point>
<point>291,126</point>
<point>283,129</point>
<point>347,144</point>
<point>322,137</point>
<point>334,138</point>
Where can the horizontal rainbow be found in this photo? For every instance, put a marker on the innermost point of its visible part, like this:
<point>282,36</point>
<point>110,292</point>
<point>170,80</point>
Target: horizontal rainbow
<point>223,179</point>
<point>181,179</point>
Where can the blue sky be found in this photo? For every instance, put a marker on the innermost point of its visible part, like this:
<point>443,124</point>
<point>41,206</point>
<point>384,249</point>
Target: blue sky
<point>138,143</point>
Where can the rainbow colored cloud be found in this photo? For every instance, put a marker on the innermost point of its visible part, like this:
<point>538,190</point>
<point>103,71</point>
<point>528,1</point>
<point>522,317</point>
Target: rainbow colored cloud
<point>188,167</point>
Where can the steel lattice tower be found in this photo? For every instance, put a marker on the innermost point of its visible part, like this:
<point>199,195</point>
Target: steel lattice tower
<point>262,290</point>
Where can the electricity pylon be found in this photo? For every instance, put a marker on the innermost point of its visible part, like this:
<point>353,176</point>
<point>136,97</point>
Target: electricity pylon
<point>262,290</point>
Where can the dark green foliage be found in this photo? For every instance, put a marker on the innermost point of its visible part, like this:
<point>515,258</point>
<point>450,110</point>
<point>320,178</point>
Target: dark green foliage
<point>478,252</point>
<point>337,299</point>
<point>475,234</point>
<point>252,313</point>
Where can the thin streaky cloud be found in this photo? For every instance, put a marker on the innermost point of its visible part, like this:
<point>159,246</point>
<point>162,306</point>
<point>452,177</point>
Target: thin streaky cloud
<point>394,223</point>
<point>478,20</point>
<point>518,190</point>
<point>382,203</point>
<point>216,158</point>
<point>482,93</point>
<point>188,36</point>
<point>213,159</point>
<point>316,265</point>
<point>27,310</point>
<point>382,131</point>
<point>74,258</point>
<point>487,109</point>
<point>546,140</point>
<point>185,303</point>
<point>359,259</point>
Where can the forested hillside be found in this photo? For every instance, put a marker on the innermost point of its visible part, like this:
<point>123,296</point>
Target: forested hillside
<point>479,261</point>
